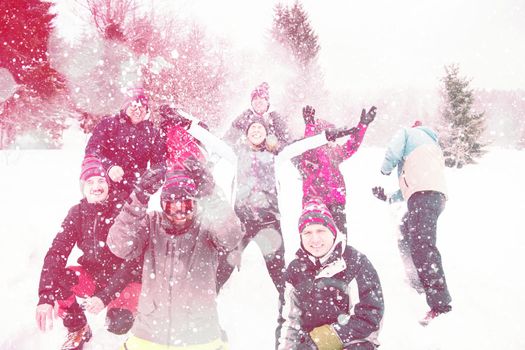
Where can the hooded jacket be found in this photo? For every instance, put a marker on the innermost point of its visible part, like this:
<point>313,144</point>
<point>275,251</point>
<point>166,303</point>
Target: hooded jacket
<point>87,226</point>
<point>341,289</point>
<point>320,167</point>
<point>117,141</point>
<point>177,305</point>
<point>419,161</point>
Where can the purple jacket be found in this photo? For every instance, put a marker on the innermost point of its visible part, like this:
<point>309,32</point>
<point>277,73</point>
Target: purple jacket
<point>320,167</point>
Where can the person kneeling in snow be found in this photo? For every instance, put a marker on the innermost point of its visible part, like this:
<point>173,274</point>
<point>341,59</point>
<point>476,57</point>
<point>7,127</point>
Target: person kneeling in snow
<point>180,245</point>
<point>333,296</point>
<point>104,279</point>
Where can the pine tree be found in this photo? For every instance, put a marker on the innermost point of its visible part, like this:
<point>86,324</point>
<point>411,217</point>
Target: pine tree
<point>292,31</point>
<point>461,128</point>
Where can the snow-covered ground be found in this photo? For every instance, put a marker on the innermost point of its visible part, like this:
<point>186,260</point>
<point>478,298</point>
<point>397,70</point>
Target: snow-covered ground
<point>479,235</point>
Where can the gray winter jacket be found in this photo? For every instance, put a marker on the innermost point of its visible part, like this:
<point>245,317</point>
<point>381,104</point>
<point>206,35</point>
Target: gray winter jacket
<point>177,304</point>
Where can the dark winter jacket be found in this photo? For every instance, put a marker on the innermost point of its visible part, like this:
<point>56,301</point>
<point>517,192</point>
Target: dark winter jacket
<point>320,167</point>
<point>343,291</point>
<point>275,123</point>
<point>87,226</point>
<point>116,141</point>
<point>178,301</point>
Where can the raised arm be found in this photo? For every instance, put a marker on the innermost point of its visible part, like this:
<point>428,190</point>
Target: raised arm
<point>128,236</point>
<point>394,152</point>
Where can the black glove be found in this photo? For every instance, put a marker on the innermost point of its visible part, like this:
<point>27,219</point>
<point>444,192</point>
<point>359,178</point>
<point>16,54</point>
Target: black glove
<point>367,118</point>
<point>379,193</point>
<point>202,176</point>
<point>308,114</point>
<point>335,133</point>
<point>149,183</point>
<point>172,117</point>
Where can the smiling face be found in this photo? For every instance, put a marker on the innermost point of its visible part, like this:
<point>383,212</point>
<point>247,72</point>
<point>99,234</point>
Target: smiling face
<point>256,134</point>
<point>317,240</point>
<point>136,111</point>
<point>260,105</point>
<point>95,189</point>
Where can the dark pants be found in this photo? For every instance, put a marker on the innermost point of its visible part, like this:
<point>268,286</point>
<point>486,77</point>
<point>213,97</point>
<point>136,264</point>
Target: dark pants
<point>269,238</point>
<point>78,282</point>
<point>418,237</point>
<point>271,246</point>
<point>338,212</point>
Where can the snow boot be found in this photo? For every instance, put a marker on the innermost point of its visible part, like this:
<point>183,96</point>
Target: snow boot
<point>432,314</point>
<point>75,340</point>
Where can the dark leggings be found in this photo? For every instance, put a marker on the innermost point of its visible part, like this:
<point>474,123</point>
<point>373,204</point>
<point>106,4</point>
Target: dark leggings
<point>418,236</point>
<point>271,246</point>
<point>270,242</point>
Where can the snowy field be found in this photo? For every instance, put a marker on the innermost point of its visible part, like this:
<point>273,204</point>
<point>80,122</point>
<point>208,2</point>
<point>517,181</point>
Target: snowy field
<point>479,235</point>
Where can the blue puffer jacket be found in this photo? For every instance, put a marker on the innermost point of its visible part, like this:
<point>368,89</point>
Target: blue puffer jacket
<point>116,141</point>
<point>419,161</point>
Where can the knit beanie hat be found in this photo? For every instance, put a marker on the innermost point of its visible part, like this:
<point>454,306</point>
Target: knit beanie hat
<point>91,166</point>
<point>315,212</point>
<point>417,123</point>
<point>255,118</point>
<point>178,184</point>
<point>261,91</point>
<point>136,95</point>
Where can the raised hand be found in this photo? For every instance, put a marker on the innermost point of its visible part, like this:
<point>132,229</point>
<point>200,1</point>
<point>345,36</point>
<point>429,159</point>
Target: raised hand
<point>149,183</point>
<point>368,117</point>
<point>308,114</point>
<point>379,193</point>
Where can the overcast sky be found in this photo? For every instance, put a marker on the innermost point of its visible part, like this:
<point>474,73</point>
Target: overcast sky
<point>380,43</point>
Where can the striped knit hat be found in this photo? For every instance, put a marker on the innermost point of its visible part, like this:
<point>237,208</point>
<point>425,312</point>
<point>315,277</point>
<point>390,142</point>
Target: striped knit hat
<point>178,184</point>
<point>315,212</point>
<point>91,166</point>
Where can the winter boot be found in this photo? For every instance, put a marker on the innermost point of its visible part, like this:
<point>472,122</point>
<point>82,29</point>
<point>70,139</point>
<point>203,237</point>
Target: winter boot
<point>75,340</point>
<point>432,314</point>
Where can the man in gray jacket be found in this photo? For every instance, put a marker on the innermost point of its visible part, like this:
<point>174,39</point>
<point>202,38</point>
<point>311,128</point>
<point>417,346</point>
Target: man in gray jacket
<point>180,247</point>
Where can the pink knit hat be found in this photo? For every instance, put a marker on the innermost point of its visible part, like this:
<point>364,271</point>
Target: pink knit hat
<point>262,91</point>
<point>315,212</point>
<point>91,166</point>
<point>417,123</point>
<point>178,184</point>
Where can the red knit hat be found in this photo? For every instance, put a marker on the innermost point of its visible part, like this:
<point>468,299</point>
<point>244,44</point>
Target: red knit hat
<point>178,184</point>
<point>417,123</point>
<point>91,166</point>
<point>315,212</point>
<point>262,91</point>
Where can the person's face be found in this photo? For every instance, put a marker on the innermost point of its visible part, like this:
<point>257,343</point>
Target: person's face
<point>256,134</point>
<point>317,240</point>
<point>180,212</point>
<point>96,189</point>
<point>136,112</point>
<point>260,105</point>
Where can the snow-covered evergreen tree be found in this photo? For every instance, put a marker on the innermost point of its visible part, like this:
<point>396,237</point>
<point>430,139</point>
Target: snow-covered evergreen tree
<point>461,128</point>
<point>293,33</point>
